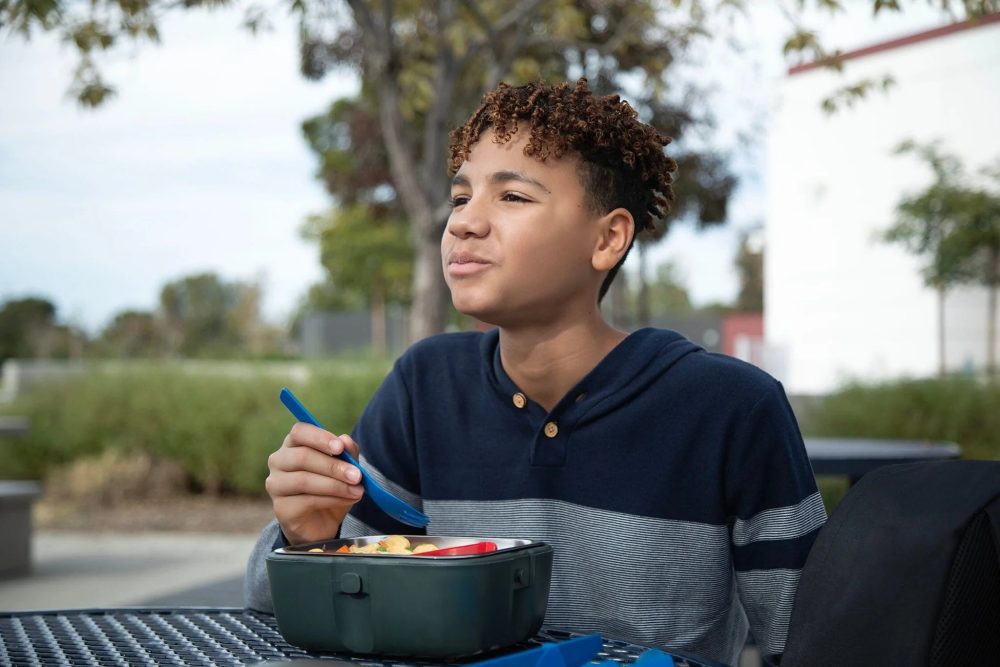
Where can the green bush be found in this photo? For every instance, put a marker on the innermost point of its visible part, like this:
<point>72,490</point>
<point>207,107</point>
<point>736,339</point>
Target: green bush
<point>219,427</point>
<point>959,410</point>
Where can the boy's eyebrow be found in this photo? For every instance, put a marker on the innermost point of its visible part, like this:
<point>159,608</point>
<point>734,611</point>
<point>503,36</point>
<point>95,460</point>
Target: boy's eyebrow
<point>498,177</point>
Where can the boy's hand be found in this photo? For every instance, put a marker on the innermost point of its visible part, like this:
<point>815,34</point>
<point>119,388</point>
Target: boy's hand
<point>311,488</point>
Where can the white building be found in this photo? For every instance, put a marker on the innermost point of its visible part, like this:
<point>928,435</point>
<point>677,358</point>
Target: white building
<point>840,304</point>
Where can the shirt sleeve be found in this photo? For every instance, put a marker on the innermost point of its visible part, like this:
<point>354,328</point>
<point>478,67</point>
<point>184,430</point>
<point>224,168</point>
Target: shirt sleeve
<point>256,588</point>
<point>776,513</point>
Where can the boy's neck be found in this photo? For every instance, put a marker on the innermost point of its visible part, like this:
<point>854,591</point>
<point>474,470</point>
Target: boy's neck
<point>545,362</point>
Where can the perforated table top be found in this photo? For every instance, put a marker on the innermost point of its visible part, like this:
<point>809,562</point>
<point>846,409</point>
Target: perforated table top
<point>195,637</point>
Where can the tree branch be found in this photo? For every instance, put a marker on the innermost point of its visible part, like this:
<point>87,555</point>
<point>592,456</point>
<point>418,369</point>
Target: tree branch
<point>384,68</point>
<point>364,18</point>
<point>625,29</point>
<point>445,80</point>
<point>502,63</point>
<point>513,17</point>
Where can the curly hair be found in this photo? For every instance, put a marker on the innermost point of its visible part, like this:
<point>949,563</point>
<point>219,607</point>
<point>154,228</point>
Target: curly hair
<point>622,162</point>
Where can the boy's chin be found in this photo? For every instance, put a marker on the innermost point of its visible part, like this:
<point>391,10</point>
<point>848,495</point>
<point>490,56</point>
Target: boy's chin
<point>478,311</point>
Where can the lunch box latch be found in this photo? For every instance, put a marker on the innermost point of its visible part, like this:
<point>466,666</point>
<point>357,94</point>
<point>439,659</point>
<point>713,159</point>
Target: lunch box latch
<point>522,576</point>
<point>350,583</point>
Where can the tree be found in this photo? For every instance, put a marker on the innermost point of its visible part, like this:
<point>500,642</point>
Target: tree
<point>26,327</point>
<point>750,266</point>
<point>365,246</point>
<point>370,254</point>
<point>202,315</point>
<point>976,242</point>
<point>667,293</point>
<point>132,333</point>
<point>926,225</point>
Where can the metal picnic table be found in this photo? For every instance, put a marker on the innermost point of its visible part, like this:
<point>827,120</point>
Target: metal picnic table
<point>209,637</point>
<point>853,457</point>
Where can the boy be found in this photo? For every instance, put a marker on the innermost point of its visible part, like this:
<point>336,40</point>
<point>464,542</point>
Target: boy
<point>672,482</point>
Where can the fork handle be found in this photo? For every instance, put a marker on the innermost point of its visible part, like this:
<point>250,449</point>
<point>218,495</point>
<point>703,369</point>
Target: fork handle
<point>301,413</point>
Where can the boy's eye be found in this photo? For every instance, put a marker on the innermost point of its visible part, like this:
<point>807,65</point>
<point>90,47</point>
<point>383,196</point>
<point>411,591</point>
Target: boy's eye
<point>514,197</point>
<point>458,200</point>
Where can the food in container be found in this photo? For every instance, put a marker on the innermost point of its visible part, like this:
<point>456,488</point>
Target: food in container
<point>326,599</point>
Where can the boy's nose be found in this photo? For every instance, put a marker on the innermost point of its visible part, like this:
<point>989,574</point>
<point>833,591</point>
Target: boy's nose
<point>470,221</point>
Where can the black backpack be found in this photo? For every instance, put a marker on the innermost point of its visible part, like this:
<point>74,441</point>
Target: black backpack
<point>906,572</point>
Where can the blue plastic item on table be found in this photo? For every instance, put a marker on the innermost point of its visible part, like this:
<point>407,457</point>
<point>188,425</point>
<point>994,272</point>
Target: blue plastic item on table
<point>390,504</point>
<point>571,653</point>
<point>654,658</point>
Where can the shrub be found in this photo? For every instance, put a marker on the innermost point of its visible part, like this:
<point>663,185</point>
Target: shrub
<point>959,410</point>
<point>218,427</point>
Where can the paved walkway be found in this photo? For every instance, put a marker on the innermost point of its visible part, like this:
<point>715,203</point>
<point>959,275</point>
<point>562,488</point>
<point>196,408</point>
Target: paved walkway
<point>77,569</point>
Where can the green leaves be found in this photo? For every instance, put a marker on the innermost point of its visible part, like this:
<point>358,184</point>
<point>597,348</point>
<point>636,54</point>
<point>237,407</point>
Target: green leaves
<point>22,15</point>
<point>90,35</point>
<point>362,251</point>
<point>892,5</point>
<point>88,88</point>
<point>800,41</point>
<point>847,96</point>
<point>952,224</point>
<point>91,28</point>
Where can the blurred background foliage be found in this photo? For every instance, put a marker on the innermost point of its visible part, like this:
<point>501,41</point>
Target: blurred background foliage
<point>957,409</point>
<point>962,410</point>
<point>217,423</point>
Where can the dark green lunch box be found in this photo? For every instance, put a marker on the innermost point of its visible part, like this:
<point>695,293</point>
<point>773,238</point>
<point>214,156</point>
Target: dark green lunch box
<point>405,605</point>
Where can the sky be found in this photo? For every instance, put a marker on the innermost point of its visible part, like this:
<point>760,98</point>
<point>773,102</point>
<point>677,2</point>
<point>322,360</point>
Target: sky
<point>198,164</point>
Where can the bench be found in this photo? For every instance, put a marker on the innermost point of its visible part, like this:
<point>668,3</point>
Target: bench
<point>15,526</point>
<point>16,498</point>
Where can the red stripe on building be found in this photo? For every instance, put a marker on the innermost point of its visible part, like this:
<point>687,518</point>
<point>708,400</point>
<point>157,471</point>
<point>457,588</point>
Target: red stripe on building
<point>902,41</point>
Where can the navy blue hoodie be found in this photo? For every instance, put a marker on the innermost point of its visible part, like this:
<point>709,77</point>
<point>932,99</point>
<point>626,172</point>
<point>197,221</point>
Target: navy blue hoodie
<point>672,482</point>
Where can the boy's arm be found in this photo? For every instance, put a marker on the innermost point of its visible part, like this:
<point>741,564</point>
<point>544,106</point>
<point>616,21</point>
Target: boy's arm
<point>384,435</point>
<point>777,513</point>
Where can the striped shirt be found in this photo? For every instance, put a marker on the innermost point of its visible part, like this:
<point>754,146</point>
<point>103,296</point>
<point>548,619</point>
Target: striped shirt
<point>672,482</point>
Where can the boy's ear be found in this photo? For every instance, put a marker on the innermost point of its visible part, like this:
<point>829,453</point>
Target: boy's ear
<point>615,232</point>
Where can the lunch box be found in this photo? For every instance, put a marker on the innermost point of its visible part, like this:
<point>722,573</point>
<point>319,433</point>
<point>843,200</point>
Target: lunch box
<point>410,605</point>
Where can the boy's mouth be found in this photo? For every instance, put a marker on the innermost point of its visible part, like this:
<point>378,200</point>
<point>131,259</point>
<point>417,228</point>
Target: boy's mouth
<point>466,264</point>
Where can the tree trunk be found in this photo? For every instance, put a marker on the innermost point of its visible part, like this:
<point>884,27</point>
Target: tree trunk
<point>991,317</point>
<point>642,314</point>
<point>940,327</point>
<point>991,334</point>
<point>377,311</point>
<point>430,292</point>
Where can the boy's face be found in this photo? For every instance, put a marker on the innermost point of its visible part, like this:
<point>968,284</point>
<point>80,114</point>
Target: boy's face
<point>519,242</point>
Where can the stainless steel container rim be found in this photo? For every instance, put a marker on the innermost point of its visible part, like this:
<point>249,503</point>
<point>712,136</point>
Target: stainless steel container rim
<point>504,545</point>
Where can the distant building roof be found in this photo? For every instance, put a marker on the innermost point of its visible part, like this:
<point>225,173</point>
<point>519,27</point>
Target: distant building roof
<point>903,41</point>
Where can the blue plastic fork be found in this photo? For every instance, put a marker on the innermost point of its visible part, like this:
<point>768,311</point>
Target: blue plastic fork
<point>389,503</point>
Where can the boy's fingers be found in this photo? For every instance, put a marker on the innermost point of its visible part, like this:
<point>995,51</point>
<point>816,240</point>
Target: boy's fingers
<point>351,446</point>
<point>303,482</point>
<point>294,459</point>
<point>307,435</point>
